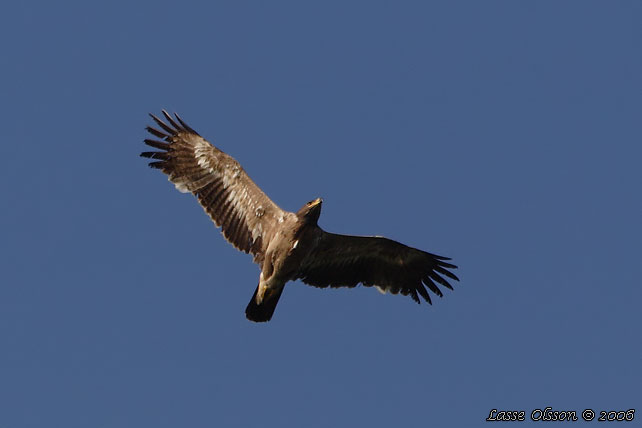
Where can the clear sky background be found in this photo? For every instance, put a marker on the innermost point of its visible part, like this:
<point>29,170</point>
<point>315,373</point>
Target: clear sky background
<point>503,134</point>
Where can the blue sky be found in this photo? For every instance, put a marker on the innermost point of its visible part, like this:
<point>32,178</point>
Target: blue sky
<point>503,134</point>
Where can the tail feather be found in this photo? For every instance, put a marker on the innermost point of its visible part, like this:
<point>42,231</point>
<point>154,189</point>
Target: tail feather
<point>263,312</point>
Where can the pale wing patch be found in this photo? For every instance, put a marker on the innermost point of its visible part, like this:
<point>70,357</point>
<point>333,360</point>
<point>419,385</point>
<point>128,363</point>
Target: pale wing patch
<point>180,185</point>
<point>257,232</point>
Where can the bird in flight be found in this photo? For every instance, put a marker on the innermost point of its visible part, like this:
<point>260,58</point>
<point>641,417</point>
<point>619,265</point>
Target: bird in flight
<point>287,246</point>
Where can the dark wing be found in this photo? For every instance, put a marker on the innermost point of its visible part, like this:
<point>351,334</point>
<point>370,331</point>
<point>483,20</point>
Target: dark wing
<point>246,215</point>
<point>345,261</point>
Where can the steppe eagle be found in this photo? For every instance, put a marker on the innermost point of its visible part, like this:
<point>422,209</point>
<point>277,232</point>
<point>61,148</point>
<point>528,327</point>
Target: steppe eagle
<point>286,245</point>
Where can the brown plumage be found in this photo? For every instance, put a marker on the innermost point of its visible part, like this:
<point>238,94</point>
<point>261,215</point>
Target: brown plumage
<point>286,246</point>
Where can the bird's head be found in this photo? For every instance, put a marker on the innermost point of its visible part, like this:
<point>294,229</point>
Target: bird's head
<point>311,211</point>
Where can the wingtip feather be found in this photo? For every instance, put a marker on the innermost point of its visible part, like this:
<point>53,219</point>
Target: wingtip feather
<point>156,132</point>
<point>157,165</point>
<point>163,124</point>
<point>185,125</point>
<point>449,274</point>
<point>171,120</point>
<point>155,155</point>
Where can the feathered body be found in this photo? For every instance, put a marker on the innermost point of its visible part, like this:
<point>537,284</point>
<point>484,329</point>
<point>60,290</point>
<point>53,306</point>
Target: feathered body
<point>286,246</point>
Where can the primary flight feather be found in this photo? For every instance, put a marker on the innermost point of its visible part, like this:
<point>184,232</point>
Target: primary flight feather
<point>286,245</point>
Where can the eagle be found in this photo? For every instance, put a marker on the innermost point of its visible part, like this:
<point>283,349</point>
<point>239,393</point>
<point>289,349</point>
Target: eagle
<point>287,246</point>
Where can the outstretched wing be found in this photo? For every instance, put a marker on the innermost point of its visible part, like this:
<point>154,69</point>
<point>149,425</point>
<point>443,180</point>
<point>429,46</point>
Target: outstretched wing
<point>345,261</point>
<point>234,202</point>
